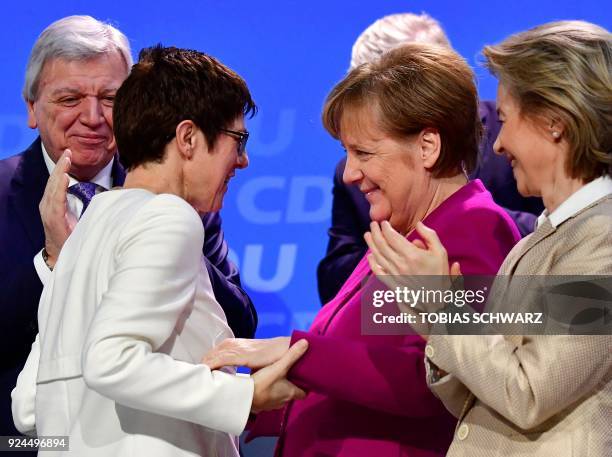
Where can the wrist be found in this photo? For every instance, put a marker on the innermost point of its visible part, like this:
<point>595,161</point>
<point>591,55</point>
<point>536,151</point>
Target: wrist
<point>48,259</point>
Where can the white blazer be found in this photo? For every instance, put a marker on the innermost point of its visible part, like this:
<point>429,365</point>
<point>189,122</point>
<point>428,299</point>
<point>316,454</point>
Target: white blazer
<point>123,323</point>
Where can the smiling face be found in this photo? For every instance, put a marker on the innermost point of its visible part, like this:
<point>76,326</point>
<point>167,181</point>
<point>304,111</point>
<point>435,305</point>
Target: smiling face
<point>208,174</point>
<point>74,108</point>
<point>388,171</point>
<point>528,145</point>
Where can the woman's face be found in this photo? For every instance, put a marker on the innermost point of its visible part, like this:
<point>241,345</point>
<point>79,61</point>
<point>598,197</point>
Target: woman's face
<point>208,174</point>
<point>388,171</point>
<point>529,146</point>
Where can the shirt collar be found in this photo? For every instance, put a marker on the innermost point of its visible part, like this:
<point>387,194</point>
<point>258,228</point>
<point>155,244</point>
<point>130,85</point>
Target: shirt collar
<point>103,178</point>
<point>582,198</point>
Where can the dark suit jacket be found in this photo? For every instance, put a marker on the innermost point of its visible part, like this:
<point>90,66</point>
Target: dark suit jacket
<point>351,218</point>
<point>22,182</point>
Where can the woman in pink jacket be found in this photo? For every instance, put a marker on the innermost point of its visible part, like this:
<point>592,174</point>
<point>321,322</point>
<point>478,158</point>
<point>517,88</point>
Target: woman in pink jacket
<point>410,126</point>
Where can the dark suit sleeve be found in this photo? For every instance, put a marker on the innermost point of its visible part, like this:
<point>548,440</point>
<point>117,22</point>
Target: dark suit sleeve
<point>225,280</point>
<point>346,245</point>
<point>20,287</point>
<point>20,292</point>
<point>21,237</point>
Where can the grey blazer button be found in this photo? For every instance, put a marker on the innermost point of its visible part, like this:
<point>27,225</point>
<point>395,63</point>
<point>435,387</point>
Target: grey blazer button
<point>463,431</point>
<point>429,351</point>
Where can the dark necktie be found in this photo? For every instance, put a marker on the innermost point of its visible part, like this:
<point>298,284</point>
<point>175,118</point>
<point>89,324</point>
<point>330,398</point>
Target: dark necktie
<point>85,191</point>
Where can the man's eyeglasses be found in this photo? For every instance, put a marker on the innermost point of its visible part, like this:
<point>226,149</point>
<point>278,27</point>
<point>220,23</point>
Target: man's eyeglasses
<point>242,138</point>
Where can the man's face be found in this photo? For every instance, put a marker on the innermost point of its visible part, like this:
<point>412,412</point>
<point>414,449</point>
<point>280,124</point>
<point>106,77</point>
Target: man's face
<point>74,109</point>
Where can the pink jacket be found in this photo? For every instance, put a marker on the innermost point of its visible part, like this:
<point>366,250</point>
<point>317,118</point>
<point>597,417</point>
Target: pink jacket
<point>368,394</point>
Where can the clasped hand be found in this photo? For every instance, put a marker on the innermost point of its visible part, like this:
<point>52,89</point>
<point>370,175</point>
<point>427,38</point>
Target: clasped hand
<point>271,359</point>
<point>392,254</point>
<point>398,262</point>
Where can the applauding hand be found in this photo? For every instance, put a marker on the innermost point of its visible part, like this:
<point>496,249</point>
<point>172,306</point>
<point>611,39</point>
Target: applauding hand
<point>392,254</point>
<point>57,221</point>
<point>399,263</point>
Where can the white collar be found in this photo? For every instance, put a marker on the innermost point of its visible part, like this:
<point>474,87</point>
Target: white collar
<point>583,197</point>
<point>103,178</point>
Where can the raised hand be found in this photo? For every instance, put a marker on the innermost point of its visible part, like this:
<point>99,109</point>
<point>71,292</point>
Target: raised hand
<point>57,221</point>
<point>392,254</point>
<point>246,352</point>
<point>272,390</point>
<point>399,263</point>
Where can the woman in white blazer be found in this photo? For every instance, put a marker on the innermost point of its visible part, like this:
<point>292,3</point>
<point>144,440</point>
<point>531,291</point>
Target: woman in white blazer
<point>129,311</point>
<point>537,395</point>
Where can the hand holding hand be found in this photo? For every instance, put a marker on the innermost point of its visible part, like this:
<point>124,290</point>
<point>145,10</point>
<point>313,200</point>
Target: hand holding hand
<point>57,221</point>
<point>272,390</point>
<point>246,352</point>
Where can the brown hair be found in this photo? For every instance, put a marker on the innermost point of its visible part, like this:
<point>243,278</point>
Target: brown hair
<point>413,87</point>
<point>170,85</point>
<point>562,71</point>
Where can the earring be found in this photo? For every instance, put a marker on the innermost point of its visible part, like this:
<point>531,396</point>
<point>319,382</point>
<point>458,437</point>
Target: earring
<point>556,134</point>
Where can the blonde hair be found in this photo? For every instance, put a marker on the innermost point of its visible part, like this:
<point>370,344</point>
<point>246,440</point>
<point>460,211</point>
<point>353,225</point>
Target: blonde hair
<point>395,30</point>
<point>410,88</point>
<point>561,71</point>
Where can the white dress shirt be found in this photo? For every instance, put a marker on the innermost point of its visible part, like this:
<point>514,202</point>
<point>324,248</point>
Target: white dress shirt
<point>583,197</point>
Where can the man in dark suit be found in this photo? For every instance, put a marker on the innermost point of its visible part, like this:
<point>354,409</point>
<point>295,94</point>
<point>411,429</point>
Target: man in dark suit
<point>75,68</point>
<point>350,209</point>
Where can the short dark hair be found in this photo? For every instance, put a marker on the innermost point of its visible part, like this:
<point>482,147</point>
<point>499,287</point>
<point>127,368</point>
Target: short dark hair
<point>410,88</point>
<point>167,86</point>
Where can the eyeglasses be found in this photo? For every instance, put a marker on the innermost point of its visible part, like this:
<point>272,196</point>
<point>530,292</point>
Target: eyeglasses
<point>242,138</point>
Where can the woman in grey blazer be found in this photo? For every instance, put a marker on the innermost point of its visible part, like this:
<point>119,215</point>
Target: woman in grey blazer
<point>535,395</point>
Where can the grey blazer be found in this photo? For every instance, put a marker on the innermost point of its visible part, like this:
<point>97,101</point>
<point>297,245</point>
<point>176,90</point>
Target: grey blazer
<point>535,395</point>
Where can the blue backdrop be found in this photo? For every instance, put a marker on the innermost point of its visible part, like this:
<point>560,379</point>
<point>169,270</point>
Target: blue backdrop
<point>291,53</point>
